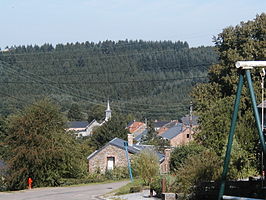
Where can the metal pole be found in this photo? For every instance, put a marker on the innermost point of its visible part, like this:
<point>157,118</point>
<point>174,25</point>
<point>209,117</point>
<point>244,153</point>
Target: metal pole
<point>128,161</point>
<point>231,135</point>
<point>262,120</point>
<point>255,109</point>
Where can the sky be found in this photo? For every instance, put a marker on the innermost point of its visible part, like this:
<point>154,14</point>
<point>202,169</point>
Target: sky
<point>30,22</point>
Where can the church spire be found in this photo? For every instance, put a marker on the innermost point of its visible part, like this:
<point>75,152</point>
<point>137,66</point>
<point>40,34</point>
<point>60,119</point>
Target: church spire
<point>108,112</point>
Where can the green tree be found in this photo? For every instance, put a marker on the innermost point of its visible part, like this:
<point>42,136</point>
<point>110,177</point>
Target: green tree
<point>181,153</point>
<point>40,148</point>
<point>3,135</point>
<point>198,168</point>
<point>74,113</point>
<point>146,165</point>
<point>97,112</point>
<point>116,127</point>
<point>152,138</point>
<point>214,100</point>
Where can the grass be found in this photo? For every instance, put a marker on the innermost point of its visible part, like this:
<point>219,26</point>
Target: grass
<point>126,189</point>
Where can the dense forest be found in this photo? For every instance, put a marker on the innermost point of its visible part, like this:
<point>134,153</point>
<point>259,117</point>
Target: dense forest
<point>144,78</point>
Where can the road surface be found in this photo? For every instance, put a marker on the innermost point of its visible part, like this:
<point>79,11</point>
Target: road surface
<point>88,192</point>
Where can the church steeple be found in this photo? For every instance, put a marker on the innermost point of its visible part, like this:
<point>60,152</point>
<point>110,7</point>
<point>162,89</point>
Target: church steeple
<point>108,112</point>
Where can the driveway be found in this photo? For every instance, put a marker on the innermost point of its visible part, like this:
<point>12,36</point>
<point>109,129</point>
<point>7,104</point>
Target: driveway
<point>88,192</point>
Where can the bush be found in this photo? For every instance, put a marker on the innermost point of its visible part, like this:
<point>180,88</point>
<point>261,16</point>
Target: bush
<point>146,165</point>
<point>117,173</point>
<point>170,181</point>
<point>181,153</point>
<point>196,169</point>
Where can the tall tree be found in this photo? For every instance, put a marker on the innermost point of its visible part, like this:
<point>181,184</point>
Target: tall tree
<point>214,100</point>
<point>40,148</point>
<point>116,127</point>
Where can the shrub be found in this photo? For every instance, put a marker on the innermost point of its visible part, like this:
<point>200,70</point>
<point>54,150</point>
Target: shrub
<point>146,165</point>
<point>181,153</point>
<point>198,168</point>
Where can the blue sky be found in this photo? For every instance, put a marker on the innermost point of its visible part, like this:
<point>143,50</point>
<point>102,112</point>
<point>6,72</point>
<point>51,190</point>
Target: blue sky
<point>25,22</point>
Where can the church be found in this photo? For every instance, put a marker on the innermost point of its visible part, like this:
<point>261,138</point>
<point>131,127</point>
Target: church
<point>85,128</point>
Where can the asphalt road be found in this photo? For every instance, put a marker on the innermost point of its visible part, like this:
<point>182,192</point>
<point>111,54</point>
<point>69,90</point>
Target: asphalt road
<point>88,192</point>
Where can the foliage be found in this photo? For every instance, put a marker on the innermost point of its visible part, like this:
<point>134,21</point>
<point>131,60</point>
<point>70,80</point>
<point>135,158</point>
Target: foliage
<point>3,134</point>
<point>117,173</point>
<point>96,112</point>
<point>181,153</point>
<point>196,169</point>
<point>241,165</point>
<point>135,75</point>
<point>152,138</point>
<point>214,100</point>
<point>41,149</point>
<point>74,113</point>
<point>170,181</point>
<point>146,165</point>
<point>115,127</point>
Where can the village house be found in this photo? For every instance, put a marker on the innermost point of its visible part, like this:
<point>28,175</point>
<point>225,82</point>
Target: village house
<point>138,129</point>
<point>84,128</point>
<point>113,155</point>
<point>181,133</point>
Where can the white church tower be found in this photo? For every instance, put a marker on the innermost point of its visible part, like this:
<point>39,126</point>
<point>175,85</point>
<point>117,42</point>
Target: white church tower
<point>108,112</point>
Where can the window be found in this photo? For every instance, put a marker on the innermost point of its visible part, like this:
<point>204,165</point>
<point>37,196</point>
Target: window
<point>110,163</point>
<point>187,135</point>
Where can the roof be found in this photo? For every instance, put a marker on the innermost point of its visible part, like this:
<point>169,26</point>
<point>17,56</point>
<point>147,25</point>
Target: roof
<point>160,123</point>
<point>135,126</point>
<point>139,136</point>
<point>172,132</point>
<point>117,142</point>
<point>78,124</point>
<point>186,120</point>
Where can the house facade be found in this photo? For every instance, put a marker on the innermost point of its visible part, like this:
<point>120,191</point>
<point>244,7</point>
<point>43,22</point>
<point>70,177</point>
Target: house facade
<point>113,155</point>
<point>180,134</point>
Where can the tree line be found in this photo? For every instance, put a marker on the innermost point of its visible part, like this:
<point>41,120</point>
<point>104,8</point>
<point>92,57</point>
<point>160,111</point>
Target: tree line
<point>147,78</point>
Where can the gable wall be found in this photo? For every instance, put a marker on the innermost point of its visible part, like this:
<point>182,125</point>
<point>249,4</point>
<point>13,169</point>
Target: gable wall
<point>181,138</point>
<point>99,161</point>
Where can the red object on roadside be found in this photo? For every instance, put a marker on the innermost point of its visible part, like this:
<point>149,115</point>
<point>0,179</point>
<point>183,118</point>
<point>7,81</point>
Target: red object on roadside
<point>30,183</point>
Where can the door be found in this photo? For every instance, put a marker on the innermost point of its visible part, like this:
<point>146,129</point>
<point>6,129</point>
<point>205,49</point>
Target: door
<point>110,163</point>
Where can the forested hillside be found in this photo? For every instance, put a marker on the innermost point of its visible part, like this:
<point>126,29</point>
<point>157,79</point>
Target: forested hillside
<point>147,79</point>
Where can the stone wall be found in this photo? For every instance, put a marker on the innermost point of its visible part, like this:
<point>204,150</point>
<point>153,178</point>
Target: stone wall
<point>183,138</point>
<point>99,161</point>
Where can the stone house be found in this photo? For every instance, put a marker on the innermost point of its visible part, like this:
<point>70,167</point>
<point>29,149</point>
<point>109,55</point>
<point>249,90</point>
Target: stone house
<point>113,155</point>
<point>179,134</point>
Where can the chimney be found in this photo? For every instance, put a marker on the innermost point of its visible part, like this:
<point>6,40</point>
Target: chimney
<point>167,154</point>
<point>130,139</point>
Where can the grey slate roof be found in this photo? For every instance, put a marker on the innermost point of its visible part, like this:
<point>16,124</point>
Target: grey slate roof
<point>172,132</point>
<point>120,144</point>
<point>138,137</point>
<point>78,124</point>
<point>159,124</point>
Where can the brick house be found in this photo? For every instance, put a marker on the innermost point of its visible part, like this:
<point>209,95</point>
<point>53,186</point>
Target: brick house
<point>113,155</point>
